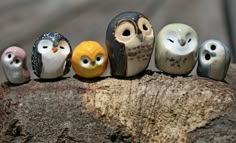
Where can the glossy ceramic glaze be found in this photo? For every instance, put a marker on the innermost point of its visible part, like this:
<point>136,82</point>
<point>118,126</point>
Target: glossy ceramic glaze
<point>51,56</point>
<point>214,59</point>
<point>176,49</point>
<point>129,41</point>
<point>13,61</point>
<point>89,59</point>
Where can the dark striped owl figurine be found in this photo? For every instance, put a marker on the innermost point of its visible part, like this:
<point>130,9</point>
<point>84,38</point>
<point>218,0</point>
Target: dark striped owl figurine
<point>130,42</point>
<point>51,56</point>
<point>213,60</point>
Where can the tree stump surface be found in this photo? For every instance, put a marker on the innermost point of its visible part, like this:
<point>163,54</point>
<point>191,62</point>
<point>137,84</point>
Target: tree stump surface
<point>149,108</point>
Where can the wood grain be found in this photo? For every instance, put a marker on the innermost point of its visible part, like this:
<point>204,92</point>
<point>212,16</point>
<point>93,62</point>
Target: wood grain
<point>148,108</point>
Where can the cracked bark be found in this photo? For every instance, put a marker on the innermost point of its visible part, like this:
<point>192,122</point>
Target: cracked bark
<point>148,108</point>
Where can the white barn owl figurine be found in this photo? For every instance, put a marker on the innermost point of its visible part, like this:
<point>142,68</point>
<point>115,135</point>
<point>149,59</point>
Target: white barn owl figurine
<point>13,62</point>
<point>176,49</point>
<point>213,60</point>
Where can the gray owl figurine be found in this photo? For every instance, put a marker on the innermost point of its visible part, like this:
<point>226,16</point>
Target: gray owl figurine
<point>214,59</point>
<point>130,42</point>
<point>51,56</point>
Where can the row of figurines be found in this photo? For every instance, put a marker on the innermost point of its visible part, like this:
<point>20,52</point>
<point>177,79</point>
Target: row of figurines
<point>130,41</point>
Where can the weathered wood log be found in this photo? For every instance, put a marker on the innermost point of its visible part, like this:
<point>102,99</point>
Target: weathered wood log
<point>149,108</point>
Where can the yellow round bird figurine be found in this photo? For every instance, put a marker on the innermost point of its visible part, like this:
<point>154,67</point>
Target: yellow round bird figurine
<point>89,59</point>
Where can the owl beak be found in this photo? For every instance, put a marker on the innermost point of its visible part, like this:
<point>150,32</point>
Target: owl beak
<point>92,63</point>
<point>213,54</point>
<point>140,37</point>
<point>182,42</point>
<point>54,49</point>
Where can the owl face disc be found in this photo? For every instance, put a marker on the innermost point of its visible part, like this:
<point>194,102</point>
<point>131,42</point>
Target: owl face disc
<point>13,61</point>
<point>129,40</point>
<point>89,59</point>
<point>176,49</point>
<point>214,59</point>
<point>51,56</point>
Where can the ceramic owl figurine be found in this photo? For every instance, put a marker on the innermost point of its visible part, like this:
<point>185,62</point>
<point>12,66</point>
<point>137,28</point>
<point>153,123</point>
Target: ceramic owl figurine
<point>89,59</point>
<point>13,61</point>
<point>51,56</point>
<point>130,42</point>
<point>176,49</point>
<point>214,59</point>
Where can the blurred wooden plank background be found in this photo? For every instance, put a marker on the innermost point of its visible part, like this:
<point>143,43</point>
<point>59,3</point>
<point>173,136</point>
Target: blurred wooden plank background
<point>22,21</point>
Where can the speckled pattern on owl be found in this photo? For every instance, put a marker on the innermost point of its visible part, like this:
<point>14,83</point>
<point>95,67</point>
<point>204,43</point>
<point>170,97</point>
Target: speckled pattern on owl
<point>176,49</point>
<point>51,56</point>
<point>130,41</point>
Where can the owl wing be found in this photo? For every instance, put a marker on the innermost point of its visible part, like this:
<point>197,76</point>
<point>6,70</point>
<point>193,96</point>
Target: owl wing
<point>227,59</point>
<point>36,62</point>
<point>67,64</point>
<point>117,57</point>
<point>203,70</point>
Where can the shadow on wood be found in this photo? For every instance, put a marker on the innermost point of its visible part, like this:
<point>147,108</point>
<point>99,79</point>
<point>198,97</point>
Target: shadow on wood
<point>152,108</point>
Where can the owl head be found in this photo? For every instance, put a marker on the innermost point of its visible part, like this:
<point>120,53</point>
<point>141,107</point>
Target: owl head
<point>89,59</point>
<point>52,44</point>
<point>129,39</point>
<point>178,39</point>
<point>14,58</point>
<point>13,62</point>
<point>51,55</point>
<point>130,28</point>
<point>176,49</point>
<point>213,60</point>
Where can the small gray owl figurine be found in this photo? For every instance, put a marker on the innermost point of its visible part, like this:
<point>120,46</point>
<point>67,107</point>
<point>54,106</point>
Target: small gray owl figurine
<point>51,56</point>
<point>176,49</point>
<point>130,42</point>
<point>214,59</point>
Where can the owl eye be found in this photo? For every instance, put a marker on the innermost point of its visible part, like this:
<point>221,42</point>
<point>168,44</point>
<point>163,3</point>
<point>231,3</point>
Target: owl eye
<point>145,26</point>
<point>44,46</point>
<point>207,56</point>
<point>64,47</point>
<point>84,61</point>
<point>99,59</point>
<point>124,31</point>
<point>213,47</point>
<point>189,40</point>
<point>9,55</point>
<point>170,40</point>
<point>17,61</point>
